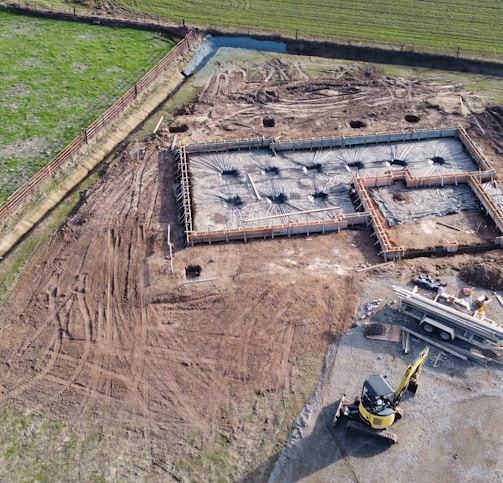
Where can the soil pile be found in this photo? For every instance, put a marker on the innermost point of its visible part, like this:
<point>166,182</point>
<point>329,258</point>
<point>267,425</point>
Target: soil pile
<point>485,274</point>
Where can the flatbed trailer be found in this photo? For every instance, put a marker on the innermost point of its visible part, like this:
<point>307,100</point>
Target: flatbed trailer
<point>451,323</point>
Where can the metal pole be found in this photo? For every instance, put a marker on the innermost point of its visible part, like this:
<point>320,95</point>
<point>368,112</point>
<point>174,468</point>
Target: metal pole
<point>170,246</point>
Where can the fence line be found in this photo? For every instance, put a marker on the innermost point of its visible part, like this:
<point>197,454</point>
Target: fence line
<point>104,17</point>
<point>17,199</point>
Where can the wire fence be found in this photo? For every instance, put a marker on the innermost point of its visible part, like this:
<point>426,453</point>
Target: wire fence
<point>115,16</point>
<point>33,185</point>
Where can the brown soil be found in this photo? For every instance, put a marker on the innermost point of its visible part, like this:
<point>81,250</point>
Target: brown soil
<point>487,274</point>
<point>106,332</point>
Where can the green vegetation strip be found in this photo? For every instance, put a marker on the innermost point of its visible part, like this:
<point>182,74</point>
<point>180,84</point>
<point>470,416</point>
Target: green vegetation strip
<point>34,448</point>
<point>475,27</point>
<point>57,77</point>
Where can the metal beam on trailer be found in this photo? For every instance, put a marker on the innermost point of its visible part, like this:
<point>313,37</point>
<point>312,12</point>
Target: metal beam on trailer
<point>485,329</point>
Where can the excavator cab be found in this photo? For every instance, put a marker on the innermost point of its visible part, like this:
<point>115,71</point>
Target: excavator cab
<point>377,401</point>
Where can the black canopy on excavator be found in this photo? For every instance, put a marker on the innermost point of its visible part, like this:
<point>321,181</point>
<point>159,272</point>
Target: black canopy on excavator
<point>378,386</point>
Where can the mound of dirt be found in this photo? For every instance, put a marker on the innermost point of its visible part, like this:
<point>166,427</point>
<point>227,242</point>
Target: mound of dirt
<point>487,275</point>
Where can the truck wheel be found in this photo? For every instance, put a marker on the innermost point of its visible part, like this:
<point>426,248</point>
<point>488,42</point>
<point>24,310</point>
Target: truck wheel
<point>428,328</point>
<point>445,336</point>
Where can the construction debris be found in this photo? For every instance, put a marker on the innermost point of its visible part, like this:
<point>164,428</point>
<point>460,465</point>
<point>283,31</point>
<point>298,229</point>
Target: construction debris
<point>448,226</point>
<point>365,267</point>
<point>405,336</point>
<point>370,308</point>
<point>434,342</point>
<point>426,281</point>
<point>482,301</point>
<point>382,331</point>
<point>436,360</point>
<point>452,300</point>
<point>203,280</point>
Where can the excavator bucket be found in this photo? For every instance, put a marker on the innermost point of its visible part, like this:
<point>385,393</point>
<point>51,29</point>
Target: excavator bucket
<point>412,387</point>
<point>339,410</point>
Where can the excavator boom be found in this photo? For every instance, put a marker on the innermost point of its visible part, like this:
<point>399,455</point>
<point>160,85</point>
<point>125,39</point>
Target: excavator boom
<point>409,380</point>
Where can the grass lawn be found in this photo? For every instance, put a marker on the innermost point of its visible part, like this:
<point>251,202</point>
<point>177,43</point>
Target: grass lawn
<point>56,78</point>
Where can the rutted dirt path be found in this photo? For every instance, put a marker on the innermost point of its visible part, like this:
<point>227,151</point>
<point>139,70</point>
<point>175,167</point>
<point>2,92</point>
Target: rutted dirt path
<point>105,328</point>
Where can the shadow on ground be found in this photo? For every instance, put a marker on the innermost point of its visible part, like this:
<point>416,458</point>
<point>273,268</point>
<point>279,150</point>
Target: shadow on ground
<point>333,445</point>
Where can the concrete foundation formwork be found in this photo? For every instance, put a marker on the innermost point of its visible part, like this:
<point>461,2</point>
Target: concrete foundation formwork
<point>262,188</point>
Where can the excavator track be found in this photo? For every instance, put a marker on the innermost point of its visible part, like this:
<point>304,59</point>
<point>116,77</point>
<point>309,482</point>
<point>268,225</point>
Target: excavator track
<point>361,429</point>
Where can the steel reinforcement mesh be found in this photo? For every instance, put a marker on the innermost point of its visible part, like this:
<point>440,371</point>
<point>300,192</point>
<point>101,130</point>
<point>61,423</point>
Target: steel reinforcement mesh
<point>261,187</point>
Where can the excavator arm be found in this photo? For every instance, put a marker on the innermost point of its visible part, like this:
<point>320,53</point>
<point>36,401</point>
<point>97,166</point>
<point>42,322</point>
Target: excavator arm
<point>409,380</point>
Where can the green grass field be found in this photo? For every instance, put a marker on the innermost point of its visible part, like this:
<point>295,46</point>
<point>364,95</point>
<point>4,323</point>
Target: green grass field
<point>473,26</point>
<point>56,78</point>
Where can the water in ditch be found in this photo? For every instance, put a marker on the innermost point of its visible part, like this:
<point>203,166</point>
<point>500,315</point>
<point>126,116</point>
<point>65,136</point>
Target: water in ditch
<point>211,44</point>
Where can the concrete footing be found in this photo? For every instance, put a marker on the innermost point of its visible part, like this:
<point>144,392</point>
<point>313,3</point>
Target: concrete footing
<point>261,188</point>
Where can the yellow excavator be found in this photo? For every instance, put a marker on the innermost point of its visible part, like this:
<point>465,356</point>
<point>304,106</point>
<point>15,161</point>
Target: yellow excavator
<point>378,407</point>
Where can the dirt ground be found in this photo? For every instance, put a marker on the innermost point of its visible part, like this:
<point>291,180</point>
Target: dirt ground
<point>201,381</point>
<point>444,432</point>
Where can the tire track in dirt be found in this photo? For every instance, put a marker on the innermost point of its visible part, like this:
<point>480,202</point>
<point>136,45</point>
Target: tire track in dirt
<point>22,387</point>
<point>47,352</point>
<point>170,315</point>
<point>177,353</point>
<point>207,374</point>
<point>84,314</point>
<point>92,367</point>
<point>284,340</point>
<point>121,317</point>
<point>202,373</point>
<point>330,98</point>
<point>99,378</point>
<point>61,314</point>
<point>135,294</point>
<point>102,332</point>
<point>140,368</point>
<point>83,391</point>
<point>235,326</point>
<point>173,390</point>
<point>116,312</point>
<point>170,391</point>
<point>35,337</point>
<point>243,357</point>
